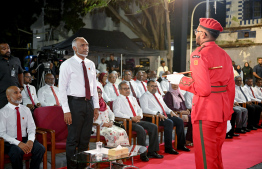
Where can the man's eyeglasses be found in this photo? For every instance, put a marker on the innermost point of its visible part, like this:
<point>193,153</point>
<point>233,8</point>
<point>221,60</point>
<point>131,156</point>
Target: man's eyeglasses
<point>29,77</point>
<point>153,86</point>
<point>196,31</point>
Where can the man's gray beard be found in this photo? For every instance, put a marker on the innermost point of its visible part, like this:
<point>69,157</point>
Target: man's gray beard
<point>16,101</point>
<point>81,54</point>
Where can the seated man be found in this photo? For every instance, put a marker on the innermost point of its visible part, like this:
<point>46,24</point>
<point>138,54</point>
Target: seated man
<point>188,99</point>
<point>152,103</point>
<point>48,94</point>
<point>139,82</point>
<point>29,93</point>
<point>17,127</point>
<point>250,90</point>
<point>241,118</point>
<point>126,106</point>
<point>111,88</point>
<point>152,76</point>
<point>258,89</point>
<point>254,111</point>
<point>131,83</point>
<point>165,83</point>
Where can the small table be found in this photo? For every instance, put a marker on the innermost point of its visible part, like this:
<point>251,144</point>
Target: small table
<point>84,157</point>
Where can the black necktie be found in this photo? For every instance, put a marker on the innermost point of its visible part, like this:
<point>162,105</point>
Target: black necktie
<point>243,93</point>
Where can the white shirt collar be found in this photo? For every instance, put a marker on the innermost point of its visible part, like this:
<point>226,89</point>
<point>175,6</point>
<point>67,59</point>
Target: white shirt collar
<point>79,60</point>
<point>12,106</point>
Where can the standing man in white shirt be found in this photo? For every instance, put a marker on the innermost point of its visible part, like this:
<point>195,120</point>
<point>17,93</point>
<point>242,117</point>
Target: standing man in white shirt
<point>29,93</point>
<point>102,67</point>
<point>162,68</point>
<point>152,76</point>
<point>126,106</point>
<point>79,98</point>
<point>165,83</point>
<point>141,85</point>
<point>131,83</point>
<point>17,127</point>
<point>111,88</point>
<point>153,103</point>
<point>48,94</point>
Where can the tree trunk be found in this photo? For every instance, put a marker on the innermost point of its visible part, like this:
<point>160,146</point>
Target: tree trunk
<point>168,37</point>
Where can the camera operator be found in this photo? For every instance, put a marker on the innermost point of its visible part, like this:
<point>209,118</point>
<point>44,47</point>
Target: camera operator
<point>11,72</point>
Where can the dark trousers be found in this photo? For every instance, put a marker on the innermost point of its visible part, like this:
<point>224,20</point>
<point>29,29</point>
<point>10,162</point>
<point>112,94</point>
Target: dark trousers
<point>16,154</point>
<point>233,122</point>
<point>168,131</point>
<point>254,112</point>
<point>79,131</point>
<point>189,134</point>
<point>151,128</point>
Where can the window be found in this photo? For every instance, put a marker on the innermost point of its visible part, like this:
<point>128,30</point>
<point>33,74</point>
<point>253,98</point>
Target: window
<point>246,34</point>
<point>252,9</point>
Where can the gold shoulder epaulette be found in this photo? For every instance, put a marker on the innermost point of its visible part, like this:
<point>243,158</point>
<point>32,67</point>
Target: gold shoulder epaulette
<point>201,48</point>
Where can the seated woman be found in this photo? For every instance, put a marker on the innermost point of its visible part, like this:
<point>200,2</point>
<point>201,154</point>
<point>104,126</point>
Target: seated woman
<point>114,135</point>
<point>102,78</point>
<point>176,102</point>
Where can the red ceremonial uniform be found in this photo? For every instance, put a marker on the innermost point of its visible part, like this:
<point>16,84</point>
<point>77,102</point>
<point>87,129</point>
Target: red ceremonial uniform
<point>214,92</point>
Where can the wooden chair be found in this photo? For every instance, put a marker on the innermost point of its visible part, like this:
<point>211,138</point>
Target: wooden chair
<point>51,120</point>
<point>5,159</point>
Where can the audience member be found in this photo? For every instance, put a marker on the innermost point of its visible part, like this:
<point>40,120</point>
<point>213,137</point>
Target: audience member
<point>102,67</point>
<point>112,64</point>
<point>235,71</point>
<point>257,70</point>
<point>153,103</point>
<point>239,71</point>
<point>11,72</point>
<point>258,89</point>
<point>29,93</point>
<point>126,106</point>
<point>250,91</point>
<point>131,83</point>
<point>111,88</point>
<point>104,95</point>
<point>253,110</point>
<point>141,85</point>
<point>247,71</point>
<point>162,68</point>
<point>118,78</point>
<point>165,83</point>
<point>175,101</point>
<point>17,127</point>
<point>145,76</point>
<point>188,99</point>
<point>114,135</point>
<point>102,78</point>
<point>48,94</point>
<point>241,118</point>
<point>152,76</point>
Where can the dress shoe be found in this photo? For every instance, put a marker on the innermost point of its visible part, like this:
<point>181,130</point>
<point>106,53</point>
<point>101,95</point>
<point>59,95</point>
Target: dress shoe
<point>252,128</point>
<point>144,158</point>
<point>183,148</point>
<point>235,134</point>
<point>154,155</point>
<point>239,130</point>
<point>246,129</point>
<point>171,151</point>
<point>229,136</point>
<point>258,127</point>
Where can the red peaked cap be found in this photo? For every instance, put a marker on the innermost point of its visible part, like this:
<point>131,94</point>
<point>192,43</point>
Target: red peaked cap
<point>211,24</point>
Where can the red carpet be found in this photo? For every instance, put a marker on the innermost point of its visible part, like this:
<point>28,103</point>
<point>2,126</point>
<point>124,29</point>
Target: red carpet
<point>240,152</point>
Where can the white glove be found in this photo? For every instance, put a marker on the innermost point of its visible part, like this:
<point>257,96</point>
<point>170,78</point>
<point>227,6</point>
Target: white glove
<point>229,127</point>
<point>174,78</point>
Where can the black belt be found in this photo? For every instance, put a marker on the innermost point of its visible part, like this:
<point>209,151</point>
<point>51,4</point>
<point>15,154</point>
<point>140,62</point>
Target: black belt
<point>79,98</point>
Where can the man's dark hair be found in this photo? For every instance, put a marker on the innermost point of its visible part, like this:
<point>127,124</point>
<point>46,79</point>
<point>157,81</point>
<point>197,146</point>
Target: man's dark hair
<point>149,81</point>
<point>162,61</point>
<point>247,79</point>
<point>111,54</point>
<point>213,33</point>
<point>25,72</point>
<point>102,59</point>
<point>258,80</point>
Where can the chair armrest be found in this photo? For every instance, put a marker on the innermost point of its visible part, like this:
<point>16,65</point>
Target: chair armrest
<point>123,120</point>
<point>97,131</point>
<point>44,137</point>
<point>150,116</point>
<point>129,127</point>
<point>52,133</point>
<point>2,150</point>
<point>243,104</point>
<point>180,114</point>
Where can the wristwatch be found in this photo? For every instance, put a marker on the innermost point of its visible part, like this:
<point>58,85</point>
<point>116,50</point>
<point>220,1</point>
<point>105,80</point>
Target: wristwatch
<point>158,113</point>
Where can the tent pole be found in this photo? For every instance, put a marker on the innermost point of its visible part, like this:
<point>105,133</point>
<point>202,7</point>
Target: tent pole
<point>121,65</point>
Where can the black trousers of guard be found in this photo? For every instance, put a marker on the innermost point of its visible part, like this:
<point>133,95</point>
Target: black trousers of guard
<point>79,131</point>
<point>16,154</point>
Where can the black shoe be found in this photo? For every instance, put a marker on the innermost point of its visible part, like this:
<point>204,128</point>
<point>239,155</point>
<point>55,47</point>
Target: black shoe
<point>246,129</point>
<point>183,148</point>
<point>171,151</point>
<point>154,155</point>
<point>252,128</point>
<point>258,127</point>
<point>236,135</point>
<point>238,130</point>
<point>144,158</point>
<point>229,136</point>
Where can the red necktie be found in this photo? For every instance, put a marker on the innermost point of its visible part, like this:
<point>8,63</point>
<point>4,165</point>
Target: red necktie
<point>132,89</point>
<point>158,90</point>
<point>261,89</point>
<point>18,125</point>
<point>86,81</point>
<point>252,92</point>
<point>116,90</point>
<point>133,111</point>
<point>144,86</point>
<point>29,93</point>
<point>160,105</point>
<point>56,99</point>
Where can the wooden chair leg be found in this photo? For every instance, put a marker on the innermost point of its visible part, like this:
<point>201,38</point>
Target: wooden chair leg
<point>134,141</point>
<point>161,137</point>
<point>175,145</point>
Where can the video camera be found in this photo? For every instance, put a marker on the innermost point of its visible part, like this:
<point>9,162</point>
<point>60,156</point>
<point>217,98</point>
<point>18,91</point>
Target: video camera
<point>47,55</point>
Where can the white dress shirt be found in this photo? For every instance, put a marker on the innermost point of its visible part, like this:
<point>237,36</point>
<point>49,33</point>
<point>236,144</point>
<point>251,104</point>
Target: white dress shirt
<point>25,95</point>
<point>136,90</point>
<point>72,83</point>
<point>258,92</point>
<point>104,95</point>
<point>249,93</point>
<point>102,67</point>
<point>110,91</point>
<point>141,87</point>
<point>164,85</point>
<point>160,89</point>
<point>188,99</point>
<point>239,97</point>
<point>118,80</point>
<point>8,121</point>
<point>161,69</point>
<point>46,96</point>
<point>122,109</point>
<point>150,105</point>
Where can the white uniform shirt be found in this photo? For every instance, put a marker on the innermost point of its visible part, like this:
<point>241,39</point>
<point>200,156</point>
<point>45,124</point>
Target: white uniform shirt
<point>161,69</point>
<point>102,67</point>
<point>164,85</point>
<point>8,121</point>
<point>258,92</point>
<point>72,83</point>
<point>239,97</point>
<point>141,87</point>
<point>188,99</point>
<point>104,95</point>
<point>110,91</point>
<point>122,109</point>
<point>249,93</point>
<point>138,94</point>
<point>25,95</point>
<point>160,89</point>
<point>46,96</point>
<point>150,105</point>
